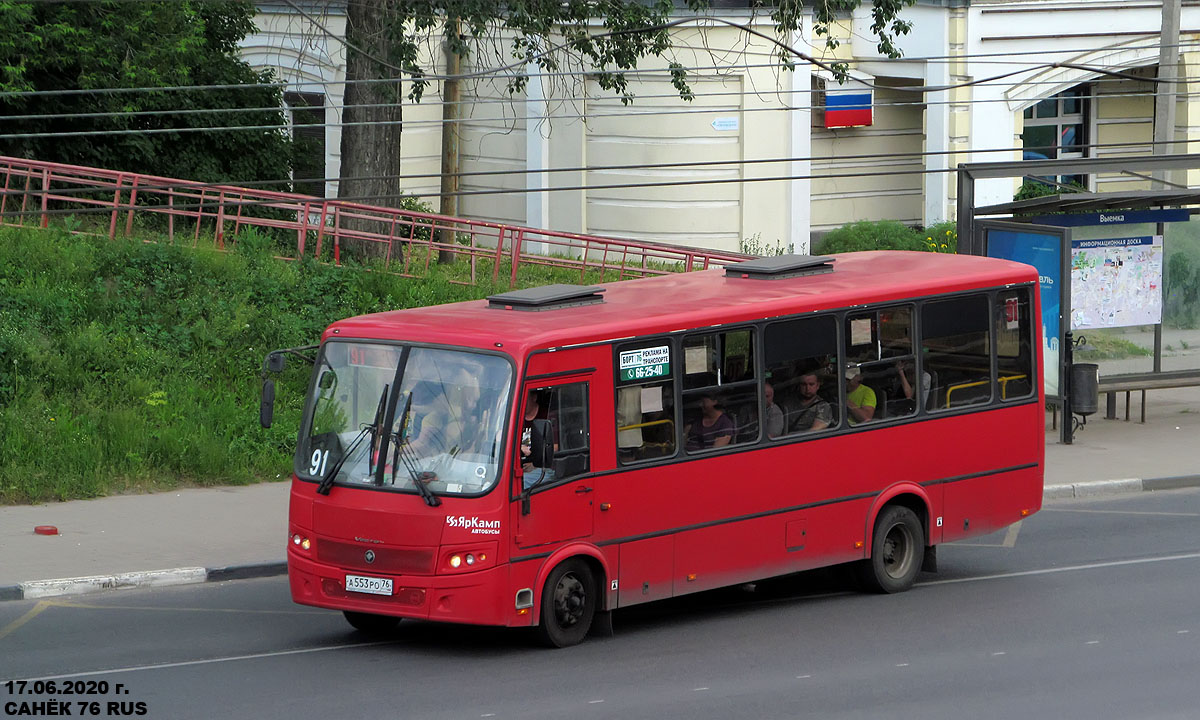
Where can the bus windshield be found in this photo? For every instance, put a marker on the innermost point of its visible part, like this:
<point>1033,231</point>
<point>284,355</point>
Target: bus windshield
<point>443,428</point>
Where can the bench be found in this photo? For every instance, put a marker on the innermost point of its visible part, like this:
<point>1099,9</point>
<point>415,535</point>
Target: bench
<point>1128,382</point>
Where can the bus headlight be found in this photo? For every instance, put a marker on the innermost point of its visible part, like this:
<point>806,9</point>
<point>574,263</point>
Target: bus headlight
<point>468,558</point>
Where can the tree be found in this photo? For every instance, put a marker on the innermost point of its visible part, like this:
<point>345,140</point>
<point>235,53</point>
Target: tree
<point>606,37</point>
<point>96,47</point>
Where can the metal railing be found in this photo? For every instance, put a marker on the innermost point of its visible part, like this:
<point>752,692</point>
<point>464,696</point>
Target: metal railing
<point>407,241</point>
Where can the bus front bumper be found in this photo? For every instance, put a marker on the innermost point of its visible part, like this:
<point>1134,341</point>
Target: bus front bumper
<point>479,598</point>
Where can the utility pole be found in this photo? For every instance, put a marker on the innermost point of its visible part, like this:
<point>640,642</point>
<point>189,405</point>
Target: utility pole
<point>451,96</point>
<point>1165,90</point>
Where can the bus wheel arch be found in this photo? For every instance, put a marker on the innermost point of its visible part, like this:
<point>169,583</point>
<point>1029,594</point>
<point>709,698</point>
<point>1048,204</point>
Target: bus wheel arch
<point>568,603</point>
<point>897,541</point>
<point>568,578</point>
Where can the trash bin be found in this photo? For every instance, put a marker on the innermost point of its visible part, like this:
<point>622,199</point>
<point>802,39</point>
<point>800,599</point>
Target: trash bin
<point>1085,388</point>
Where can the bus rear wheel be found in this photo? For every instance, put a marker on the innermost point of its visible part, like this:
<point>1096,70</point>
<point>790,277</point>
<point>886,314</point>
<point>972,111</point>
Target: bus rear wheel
<point>568,604</point>
<point>897,548</point>
<point>371,624</point>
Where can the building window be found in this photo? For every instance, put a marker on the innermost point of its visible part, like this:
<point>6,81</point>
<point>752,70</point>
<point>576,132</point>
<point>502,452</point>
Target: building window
<point>1057,128</point>
<point>306,116</point>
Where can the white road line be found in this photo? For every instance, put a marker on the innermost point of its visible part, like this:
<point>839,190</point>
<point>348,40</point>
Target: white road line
<point>1181,632</point>
<point>1068,568</point>
<point>805,677</point>
<point>593,702</point>
<point>901,664</point>
<point>1093,642</point>
<point>209,661</point>
<point>998,654</point>
<point>698,689</point>
<point>1010,537</point>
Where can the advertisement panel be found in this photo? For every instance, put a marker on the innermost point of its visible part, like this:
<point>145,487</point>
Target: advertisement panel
<point>1043,250</point>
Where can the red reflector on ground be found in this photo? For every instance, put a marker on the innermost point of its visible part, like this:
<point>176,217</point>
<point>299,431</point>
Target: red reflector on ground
<point>46,530</point>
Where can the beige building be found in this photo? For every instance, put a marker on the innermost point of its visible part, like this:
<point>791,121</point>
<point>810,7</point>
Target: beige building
<point>750,162</point>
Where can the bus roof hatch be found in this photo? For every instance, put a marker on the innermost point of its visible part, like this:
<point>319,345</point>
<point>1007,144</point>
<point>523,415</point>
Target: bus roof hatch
<point>547,297</point>
<point>781,266</point>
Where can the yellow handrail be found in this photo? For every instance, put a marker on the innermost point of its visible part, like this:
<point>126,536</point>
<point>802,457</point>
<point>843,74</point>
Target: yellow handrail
<point>1003,386</point>
<point>645,424</point>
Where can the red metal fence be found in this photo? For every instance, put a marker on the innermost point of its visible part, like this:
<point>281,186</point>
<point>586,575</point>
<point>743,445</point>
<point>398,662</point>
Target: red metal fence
<point>408,241</point>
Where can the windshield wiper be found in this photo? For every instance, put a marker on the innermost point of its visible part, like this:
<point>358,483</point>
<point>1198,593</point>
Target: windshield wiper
<point>372,429</point>
<point>402,454</point>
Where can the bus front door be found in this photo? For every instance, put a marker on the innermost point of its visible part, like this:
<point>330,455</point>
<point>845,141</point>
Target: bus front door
<point>555,500</point>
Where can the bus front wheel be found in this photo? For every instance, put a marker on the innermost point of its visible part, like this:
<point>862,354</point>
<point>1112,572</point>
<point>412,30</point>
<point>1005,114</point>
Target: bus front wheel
<point>897,548</point>
<point>568,604</point>
<point>371,624</point>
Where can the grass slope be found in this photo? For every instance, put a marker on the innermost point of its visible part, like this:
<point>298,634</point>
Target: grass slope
<point>127,365</point>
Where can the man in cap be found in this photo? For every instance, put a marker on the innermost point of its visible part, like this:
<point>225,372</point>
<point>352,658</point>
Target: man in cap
<point>860,399</point>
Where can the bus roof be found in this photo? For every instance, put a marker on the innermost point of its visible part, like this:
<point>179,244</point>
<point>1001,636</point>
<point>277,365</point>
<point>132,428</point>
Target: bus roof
<point>680,301</point>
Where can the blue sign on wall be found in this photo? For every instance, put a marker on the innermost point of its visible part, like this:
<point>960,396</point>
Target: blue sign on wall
<point>1044,252</point>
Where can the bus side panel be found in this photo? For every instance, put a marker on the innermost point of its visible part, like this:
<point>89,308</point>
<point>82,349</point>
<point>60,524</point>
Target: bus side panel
<point>1004,438</point>
<point>645,570</point>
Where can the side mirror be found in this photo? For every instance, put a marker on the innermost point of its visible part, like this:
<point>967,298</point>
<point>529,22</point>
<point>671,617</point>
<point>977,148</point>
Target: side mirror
<point>541,443</point>
<point>266,409</point>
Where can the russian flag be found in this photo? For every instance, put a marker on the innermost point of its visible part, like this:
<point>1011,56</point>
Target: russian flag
<point>848,109</point>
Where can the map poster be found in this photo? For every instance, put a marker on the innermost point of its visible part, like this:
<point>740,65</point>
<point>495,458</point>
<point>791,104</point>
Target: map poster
<point>1116,282</point>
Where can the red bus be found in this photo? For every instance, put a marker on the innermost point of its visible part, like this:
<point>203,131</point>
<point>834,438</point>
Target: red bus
<point>546,456</point>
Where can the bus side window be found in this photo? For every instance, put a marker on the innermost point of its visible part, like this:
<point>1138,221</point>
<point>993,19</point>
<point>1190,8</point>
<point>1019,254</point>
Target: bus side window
<point>955,343</point>
<point>645,401</point>
<point>801,360</point>
<point>565,407</point>
<point>719,366</point>
<point>1014,344</point>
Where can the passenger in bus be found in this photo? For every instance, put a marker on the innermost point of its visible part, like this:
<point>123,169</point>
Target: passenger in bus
<point>534,470</point>
<point>714,429</point>
<point>815,412</point>
<point>860,399</point>
<point>773,413</point>
<point>904,386</point>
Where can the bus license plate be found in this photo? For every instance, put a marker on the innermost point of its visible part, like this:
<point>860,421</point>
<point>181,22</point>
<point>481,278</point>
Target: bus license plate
<point>369,585</point>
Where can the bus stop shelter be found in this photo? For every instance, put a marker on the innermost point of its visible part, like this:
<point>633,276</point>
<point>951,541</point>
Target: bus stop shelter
<point>1107,261</point>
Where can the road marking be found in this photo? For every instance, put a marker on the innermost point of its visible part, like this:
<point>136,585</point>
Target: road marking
<point>1068,568</point>
<point>998,654</point>
<point>33,612</point>
<point>901,664</point>
<point>139,608</point>
<point>698,689</point>
<point>803,677</point>
<point>1181,632</point>
<point>1121,512</point>
<point>593,702</point>
<point>210,661</point>
<point>1093,642</point>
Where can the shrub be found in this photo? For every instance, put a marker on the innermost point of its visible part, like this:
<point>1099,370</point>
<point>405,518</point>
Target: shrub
<point>872,235</point>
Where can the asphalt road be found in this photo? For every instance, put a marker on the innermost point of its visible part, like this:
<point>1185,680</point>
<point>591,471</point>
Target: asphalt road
<point>1090,609</point>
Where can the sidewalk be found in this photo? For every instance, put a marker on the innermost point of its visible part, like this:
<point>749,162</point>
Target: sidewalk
<point>222,533</point>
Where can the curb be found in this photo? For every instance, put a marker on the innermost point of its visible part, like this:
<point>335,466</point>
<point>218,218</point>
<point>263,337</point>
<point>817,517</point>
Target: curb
<point>1096,488</point>
<point>35,589</point>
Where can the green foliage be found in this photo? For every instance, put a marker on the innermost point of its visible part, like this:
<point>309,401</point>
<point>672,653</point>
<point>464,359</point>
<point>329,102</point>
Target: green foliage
<point>99,46</point>
<point>1031,189</point>
<point>130,365</point>
<point>871,235</point>
<point>1104,346</point>
<point>942,238</point>
<point>1181,286</point>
